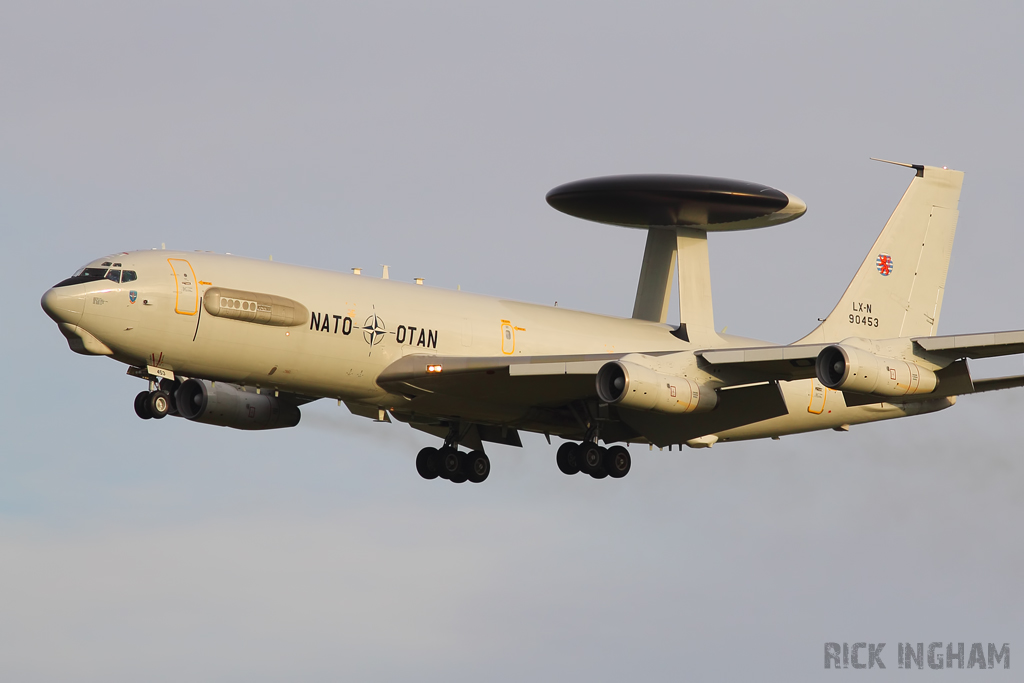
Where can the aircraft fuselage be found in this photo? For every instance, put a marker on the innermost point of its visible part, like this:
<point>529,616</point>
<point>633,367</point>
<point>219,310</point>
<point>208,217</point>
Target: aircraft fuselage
<point>355,326</point>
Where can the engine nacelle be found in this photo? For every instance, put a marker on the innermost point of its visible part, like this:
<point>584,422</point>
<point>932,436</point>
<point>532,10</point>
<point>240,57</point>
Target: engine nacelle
<point>851,369</point>
<point>222,404</point>
<point>633,386</point>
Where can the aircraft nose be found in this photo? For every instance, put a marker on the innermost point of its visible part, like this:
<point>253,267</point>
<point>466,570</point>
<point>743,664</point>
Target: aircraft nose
<point>64,304</point>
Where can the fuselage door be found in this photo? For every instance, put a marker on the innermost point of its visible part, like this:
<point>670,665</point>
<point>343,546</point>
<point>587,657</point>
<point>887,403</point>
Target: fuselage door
<point>508,338</point>
<point>186,293</point>
<point>818,395</point>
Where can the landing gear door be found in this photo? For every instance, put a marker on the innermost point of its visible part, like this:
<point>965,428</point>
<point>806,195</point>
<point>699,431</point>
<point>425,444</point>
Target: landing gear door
<point>186,293</point>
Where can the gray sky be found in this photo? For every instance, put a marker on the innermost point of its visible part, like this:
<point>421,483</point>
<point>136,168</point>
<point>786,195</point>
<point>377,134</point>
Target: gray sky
<point>425,136</point>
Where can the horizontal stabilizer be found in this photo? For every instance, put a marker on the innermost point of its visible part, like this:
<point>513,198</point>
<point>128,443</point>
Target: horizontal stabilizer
<point>979,345</point>
<point>997,383</point>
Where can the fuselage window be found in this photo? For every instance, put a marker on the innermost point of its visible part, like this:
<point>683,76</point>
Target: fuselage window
<point>114,275</point>
<point>128,276</point>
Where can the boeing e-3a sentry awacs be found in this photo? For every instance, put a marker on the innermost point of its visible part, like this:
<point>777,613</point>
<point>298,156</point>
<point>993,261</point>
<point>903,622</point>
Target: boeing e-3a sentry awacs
<point>244,343</point>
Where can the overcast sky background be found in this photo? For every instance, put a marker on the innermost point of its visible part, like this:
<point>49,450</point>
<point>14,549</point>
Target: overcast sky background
<point>425,136</point>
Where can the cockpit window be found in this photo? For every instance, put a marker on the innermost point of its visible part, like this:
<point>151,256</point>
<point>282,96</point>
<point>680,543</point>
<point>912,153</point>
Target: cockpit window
<point>128,276</point>
<point>84,275</point>
<point>105,263</point>
<point>114,275</point>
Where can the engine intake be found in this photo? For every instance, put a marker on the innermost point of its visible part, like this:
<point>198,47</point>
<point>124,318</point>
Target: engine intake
<point>225,405</point>
<point>850,369</point>
<point>633,386</point>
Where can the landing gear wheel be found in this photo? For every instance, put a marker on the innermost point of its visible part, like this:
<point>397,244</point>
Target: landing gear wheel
<point>450,464</point>
<point>600,472</point>
<point>566,458</point>
<point>588,457</point>
<point>426,463</point>
<point>617,462</point>
<point>478,466</point>
<point>158,404</point>
<point>140,405</point>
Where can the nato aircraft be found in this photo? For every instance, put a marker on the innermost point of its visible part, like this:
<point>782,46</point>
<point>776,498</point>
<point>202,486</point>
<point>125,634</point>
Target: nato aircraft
<point>244,343</point>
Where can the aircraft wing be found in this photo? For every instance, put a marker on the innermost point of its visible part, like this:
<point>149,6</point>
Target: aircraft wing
<point>553,380</point>
<point>764,363</point>
<point>540,391</point>
<point>980,345</point>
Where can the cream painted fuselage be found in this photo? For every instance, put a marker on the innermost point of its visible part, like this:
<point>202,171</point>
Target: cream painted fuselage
<point>359,325</point>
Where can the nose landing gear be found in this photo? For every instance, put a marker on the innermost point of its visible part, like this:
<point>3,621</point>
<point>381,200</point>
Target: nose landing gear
<point>153,404</point>
<point>156,403</point>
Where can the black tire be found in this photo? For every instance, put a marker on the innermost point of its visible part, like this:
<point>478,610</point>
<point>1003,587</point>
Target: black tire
<point>140,405</point>
<point>426,463</point>
<point>617,462</point>
<point>158,404</point>
<point>478,466</point>
<point>459,478</point>
<point>588,457</point>
<point>599,473</point>
<point>566,458</point>
<point>450,463</point>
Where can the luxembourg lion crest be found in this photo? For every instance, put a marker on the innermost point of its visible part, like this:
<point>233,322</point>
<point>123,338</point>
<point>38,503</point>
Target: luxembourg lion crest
<point>884,264</point>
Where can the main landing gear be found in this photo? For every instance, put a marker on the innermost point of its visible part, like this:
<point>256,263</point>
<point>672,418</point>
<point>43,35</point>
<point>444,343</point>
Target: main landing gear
<point>448,462</point>
<point>156,403</point>
<point>589,458</point>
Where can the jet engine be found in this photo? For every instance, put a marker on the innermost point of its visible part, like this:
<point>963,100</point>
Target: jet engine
<point>633,386</point>
<point>850,369</point>
<point>225,405</point>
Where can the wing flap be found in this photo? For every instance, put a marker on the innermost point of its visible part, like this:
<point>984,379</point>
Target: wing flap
<point>583,367</point>
<point>520,381</point>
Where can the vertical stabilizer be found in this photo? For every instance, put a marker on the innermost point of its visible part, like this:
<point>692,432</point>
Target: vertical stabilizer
<point>897,292</point>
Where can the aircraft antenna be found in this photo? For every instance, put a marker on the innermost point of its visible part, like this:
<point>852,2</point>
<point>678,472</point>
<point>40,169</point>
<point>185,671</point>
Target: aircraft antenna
<point>917,167</point>
<point>896,163</point>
